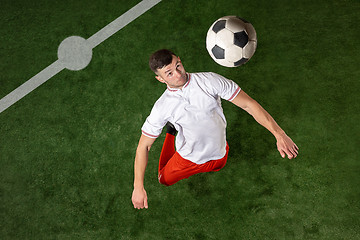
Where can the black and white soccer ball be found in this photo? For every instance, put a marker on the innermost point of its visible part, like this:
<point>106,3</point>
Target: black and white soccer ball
<point>231,41</point>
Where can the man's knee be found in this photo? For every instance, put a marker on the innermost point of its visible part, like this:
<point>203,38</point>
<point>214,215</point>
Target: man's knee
<point>169,181</point>
<point>162,180</point>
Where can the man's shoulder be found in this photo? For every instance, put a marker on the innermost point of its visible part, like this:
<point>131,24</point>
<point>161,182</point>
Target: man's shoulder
<point>165,99</point>
<point>206,77</point>
<point>162,98</point>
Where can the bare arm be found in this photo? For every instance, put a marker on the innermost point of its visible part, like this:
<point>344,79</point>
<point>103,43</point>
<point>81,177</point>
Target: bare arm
<point>139,196</point>
<point>284,144</point>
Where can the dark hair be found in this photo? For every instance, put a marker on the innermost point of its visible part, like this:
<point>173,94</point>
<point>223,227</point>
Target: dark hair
<point>160,59</point>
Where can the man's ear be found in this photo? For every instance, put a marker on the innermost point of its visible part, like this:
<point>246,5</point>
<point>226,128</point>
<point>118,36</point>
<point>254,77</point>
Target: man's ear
<point>159,79</point>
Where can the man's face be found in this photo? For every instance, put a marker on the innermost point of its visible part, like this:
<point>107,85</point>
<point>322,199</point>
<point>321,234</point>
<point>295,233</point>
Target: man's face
<point>174,74</point>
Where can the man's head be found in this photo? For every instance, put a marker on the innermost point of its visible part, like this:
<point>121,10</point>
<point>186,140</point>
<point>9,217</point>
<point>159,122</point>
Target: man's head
<point>168,68</point>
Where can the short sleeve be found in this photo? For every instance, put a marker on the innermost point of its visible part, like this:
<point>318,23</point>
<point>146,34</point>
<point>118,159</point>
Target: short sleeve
<point>223,87</point>
<point>154,123</point>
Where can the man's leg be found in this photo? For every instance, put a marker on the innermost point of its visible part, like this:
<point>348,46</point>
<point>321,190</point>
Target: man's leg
<point>168,149</point>
<point>178,168</point>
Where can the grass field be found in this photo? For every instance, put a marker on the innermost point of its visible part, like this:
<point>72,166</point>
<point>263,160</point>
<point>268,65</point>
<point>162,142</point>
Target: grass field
<point>67,148</point>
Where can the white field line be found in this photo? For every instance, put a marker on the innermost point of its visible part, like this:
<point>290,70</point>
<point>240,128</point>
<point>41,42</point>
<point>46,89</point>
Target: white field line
<point>30,85</point>
<point>121,22</point>
<point>93,41</point>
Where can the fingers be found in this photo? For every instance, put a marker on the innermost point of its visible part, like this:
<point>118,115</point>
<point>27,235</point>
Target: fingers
<point>292,152</point>
<point>140,204</point>
<point>287,147</point>
<point>289,154</point>
<point>295,150</point>
<point>145,203</point>
<point>139,198</point>
<point>296,147</point>
<point>282,153</point>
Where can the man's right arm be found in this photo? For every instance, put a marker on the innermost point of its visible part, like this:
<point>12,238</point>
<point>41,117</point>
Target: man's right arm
<point>139,197</point>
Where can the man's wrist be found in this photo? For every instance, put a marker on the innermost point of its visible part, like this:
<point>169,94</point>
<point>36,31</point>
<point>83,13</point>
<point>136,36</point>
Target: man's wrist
<point>279,134</point>
<point>138,186</point>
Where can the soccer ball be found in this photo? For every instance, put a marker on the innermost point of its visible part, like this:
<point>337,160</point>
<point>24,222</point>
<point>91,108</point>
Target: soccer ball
<point>231,41</point>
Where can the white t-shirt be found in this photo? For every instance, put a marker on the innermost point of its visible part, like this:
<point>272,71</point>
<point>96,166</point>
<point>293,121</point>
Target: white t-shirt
<point>196,112</point>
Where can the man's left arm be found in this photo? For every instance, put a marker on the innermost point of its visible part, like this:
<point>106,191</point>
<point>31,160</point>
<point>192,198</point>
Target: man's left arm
<point>284,143</point>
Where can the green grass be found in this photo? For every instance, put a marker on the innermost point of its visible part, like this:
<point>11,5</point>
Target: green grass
<point>67,149</point>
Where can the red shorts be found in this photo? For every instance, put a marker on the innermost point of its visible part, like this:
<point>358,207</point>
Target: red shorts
<point>173,168</point>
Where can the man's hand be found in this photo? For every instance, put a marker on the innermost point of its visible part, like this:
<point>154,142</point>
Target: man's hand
<point>286,146</point>
<point>139,198</point>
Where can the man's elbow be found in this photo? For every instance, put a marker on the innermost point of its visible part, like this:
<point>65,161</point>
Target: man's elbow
<point>143,148</point>
<point>148,148</point>
<point>250,106</point>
